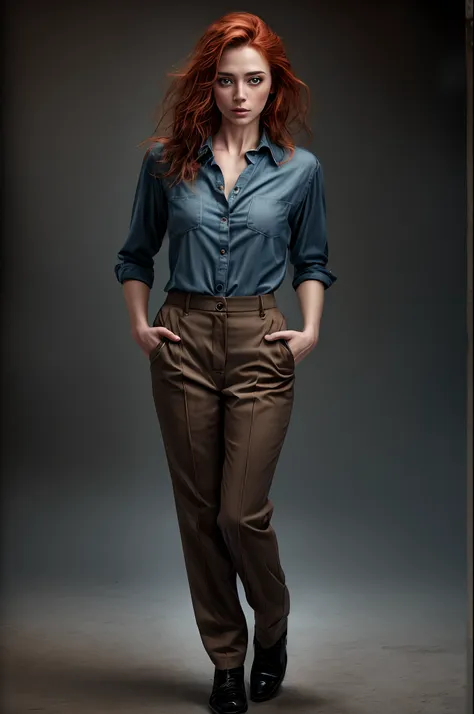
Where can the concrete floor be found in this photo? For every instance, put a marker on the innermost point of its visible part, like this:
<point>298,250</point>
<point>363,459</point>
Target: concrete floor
<point>352,650</point>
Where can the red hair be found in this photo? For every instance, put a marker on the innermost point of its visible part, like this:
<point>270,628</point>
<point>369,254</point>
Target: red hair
<point>190,98</point>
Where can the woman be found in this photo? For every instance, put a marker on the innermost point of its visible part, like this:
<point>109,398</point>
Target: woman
<point>236,197</point>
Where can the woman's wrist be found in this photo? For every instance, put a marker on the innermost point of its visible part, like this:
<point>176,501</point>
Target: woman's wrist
<point>139,326</point>
<point>311,332</point>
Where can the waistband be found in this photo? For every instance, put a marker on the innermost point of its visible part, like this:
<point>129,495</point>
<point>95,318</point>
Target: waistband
<point>234,303</point>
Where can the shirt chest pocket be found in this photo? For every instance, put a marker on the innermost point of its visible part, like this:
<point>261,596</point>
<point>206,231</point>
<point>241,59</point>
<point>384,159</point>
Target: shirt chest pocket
<point>184,214</point>
<point>269,216</point>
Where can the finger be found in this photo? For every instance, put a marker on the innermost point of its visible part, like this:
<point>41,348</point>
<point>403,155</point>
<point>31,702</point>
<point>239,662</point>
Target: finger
<point>164,332</point>
<point>285,334</point>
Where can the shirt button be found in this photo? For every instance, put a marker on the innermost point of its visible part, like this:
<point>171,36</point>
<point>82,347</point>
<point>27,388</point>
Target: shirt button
<point>222,251</point>
<point>224,219</point>
<point>221,187</point>
<point>236,189</point>
<point>219,286</point>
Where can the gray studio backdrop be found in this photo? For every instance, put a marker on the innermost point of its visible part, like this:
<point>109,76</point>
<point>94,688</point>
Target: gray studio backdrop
<point>371,481</point>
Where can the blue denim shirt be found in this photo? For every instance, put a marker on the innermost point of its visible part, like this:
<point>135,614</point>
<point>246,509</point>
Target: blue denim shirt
<point>238,246</point>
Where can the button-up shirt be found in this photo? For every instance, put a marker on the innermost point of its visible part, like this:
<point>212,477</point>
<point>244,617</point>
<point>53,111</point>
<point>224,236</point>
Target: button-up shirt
<point>234,246</point>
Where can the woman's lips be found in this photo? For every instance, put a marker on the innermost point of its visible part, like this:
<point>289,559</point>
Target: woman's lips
<point>240,111</point>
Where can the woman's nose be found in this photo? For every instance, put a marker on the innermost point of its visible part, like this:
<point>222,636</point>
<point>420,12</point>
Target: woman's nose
<point>239,93</point>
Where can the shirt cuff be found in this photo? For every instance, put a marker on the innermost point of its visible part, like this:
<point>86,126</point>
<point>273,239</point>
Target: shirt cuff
<point>131,271</point>
<point>324,276</point>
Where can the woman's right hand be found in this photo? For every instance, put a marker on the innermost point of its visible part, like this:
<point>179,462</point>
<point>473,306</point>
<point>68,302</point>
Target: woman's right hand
<point>147,338</point>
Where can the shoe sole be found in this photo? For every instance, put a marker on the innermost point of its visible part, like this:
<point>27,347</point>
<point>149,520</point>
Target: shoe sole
<point>275,691</point>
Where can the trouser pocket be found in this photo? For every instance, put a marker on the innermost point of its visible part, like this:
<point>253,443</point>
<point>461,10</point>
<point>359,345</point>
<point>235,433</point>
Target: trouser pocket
<point>157,322</point>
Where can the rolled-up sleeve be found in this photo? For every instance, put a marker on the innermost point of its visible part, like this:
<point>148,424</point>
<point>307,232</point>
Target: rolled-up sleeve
<point>308,246</point>
<point>147,225</point>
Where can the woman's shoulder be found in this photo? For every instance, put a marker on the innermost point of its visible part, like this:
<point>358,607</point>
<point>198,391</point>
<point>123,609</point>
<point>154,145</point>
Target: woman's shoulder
<point>153,158</point>
<point>305,159</point>
<point>302,164</point>
<point>155,150</point>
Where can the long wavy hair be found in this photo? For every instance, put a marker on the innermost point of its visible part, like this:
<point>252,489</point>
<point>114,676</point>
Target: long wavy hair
<point>190,101</point>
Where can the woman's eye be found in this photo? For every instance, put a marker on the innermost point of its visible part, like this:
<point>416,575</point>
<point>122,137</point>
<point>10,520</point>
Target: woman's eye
<point>224,80</point>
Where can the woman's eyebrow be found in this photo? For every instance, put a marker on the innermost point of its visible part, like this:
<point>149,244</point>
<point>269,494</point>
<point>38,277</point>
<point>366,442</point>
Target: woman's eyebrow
<point>247,74</point>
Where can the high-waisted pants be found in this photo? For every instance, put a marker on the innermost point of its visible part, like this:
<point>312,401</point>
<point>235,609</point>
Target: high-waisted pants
<point>223,396</point>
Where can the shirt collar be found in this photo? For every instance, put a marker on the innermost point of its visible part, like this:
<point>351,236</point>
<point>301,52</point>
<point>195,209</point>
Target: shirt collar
<point>277,152</point>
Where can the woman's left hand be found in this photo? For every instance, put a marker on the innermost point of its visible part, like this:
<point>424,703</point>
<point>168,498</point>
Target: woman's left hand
<point>300,343</point>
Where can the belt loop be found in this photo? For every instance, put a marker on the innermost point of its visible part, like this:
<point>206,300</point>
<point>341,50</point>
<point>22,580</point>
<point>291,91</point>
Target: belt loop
<point>262,311</point>
<point>186,306</point>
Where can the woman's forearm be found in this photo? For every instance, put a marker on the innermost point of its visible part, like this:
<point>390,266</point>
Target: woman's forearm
<point>136,294</point>
<point>311,298</point>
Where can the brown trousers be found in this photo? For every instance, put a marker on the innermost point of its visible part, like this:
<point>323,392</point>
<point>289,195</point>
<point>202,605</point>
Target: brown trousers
<point>223,396</point>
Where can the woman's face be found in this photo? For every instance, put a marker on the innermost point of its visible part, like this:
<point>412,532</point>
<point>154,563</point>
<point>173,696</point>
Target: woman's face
<point>244,80</point>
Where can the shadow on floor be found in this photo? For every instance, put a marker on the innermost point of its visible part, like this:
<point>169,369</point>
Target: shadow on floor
<point>100,686</point>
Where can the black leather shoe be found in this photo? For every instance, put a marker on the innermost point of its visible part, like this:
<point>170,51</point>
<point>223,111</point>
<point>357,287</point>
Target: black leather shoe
<point>228,692</point>
<point>268,669</point>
